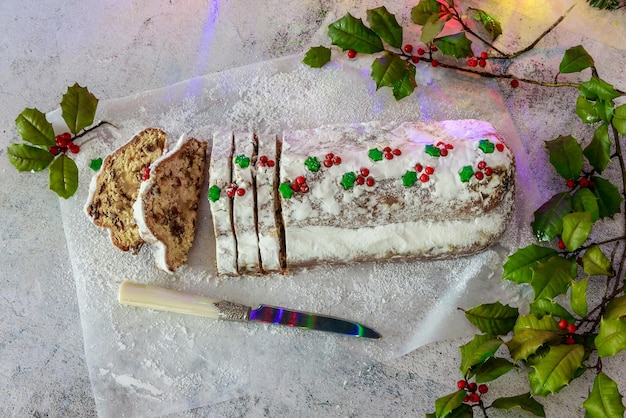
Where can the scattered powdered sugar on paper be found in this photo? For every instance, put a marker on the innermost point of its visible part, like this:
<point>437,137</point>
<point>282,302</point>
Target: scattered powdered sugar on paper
<point>144,362</point>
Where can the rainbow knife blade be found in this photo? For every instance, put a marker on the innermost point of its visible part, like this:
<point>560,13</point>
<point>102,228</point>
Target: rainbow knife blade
<point>153,297</point>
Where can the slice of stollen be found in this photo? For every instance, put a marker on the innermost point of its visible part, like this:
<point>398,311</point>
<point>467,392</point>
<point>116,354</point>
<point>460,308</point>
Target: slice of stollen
<point>114,189</point>
<point>166,209</point>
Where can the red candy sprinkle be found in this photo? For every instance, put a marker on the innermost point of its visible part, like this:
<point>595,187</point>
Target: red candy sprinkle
<point>482,165</point>
<point>389,156</point>
<point>365,172</point>
<point>351,53</point>
<point>424,178</point>
<point>500,147</point>
<point>300,180</point>
<point>304,188</point>
<point>336,160</point>
<point>370,181</point>
<point>387,149</point>
<point>488,171</point>
<point>418,167</point>
<point>443,152</point>
<point>241,192</point>
<point>295,187</point>
<point>396,152</point>
<point>270,163</point>
<point>146,174</point>
<point>330,156</point>
<point>449,146</point>
<point>230,192</point>
<point>479,175</point>
<point>263,158</point>
<point>360,180</point>
<point>328,163</point>
<point>429,170</point>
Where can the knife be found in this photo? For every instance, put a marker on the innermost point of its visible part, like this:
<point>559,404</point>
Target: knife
<point>153,297</point>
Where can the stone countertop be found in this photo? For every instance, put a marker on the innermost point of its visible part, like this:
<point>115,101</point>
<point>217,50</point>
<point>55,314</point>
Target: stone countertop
<point>119,48</point>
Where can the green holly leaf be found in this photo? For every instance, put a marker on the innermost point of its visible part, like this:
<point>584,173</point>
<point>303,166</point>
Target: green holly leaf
<point>424,10</point>
<point>552,277</point>
<point>33,127</point>
<point>525,401</point>
<point>350,33</point>
<point>616,308</point>
<point>478,350</point>
<point>584,200</point>
<point>78,108</point>
<point>491,369</point>
<point>604,400</point>
<point>578,299</point>
<point>619,119</point>
<point>457,45</point>
<point>548,222</point>
<point>388,69</point>
<point>518,266</point>
<point>545,323</point>
<point>597,88</point>
<point>317,56</point>
<point>605,110</point>
<point>612,337</point>
<point>541,307</point>
<point>566,155</point>
<point>575,59</point>
<point>431,29</point>
<point>586,110</point>
<point>406,86</point>
<point>609,197</point>
<point>446,405</point>
<point>63,176</point>
<point>385,25</point>
<point>527,342</point>
<point>598,152</point>
<point>491,25</point>
<point>28,158</point>
<point>556,369</point>
<point>493,318</point>
<point>576,229</point>
<point>595,263</point>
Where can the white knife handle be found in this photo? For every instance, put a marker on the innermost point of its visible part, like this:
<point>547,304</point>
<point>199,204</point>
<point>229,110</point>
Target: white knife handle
<point>153,297</point>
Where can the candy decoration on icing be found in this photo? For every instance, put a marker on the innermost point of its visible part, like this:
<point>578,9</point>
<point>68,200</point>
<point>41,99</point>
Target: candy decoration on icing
<point>299,185</point>
<point>95,164</point>
<point>285,190</point>
<point>313,164</point>
<point>432,150</point>
<point>214,193</point>
<point>500,147</point>
<point>409,178</point>
<point>466,173</point>
<point>331,160</point>
<point>265,162</point>
<point>348,180</point>
<point>486,146</point>
<point>375,154</point>
<point>242,161</point>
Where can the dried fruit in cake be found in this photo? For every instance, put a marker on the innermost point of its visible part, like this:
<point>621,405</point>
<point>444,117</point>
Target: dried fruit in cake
<point>114,188</point>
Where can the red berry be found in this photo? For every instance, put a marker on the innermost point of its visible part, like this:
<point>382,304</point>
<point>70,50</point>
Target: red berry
<point>488,171</point>
<point>466,399</point>
<point>424,178</point>
<point>336,160</point>
<point>60,141</point>
<point>429,170</point>
<point>360,180</point>
<point>300,180</point>
<point>54,150</point>
<point>584,182</point>
<point>561,245</point>
<point>304,188</point>
<point>472,387</point>
<point>571,183</point>
<point>351,53</point>
<point>418,167</point>
<point>500,147</point>
<point>571,328</point>
<point>365,172</point>
<point>472,62</point>
<point>443,152</point>
<point>474,397</point>
<point>569,340</point>
<point>483,388</point>
<point>563,323</point>
<point>482,62</point>
<point>514,84</point>
<point>482,165</point>
<point>295,187</point>
<point>328,163</point>
<point>74,148</point>
<point>146,174</point>
<point>370,182</point>
<point>396,152</point>
<point>389,156</point>
<point>461,384</point>
<point>579,261</point>
<point>415,59</point>
<point>241,191</point>
<point>408,48</point>
<point>483,55</point>
<point>433,47</point>
<point>66,136</point>
<point>421,51</point>
<point>479,175</point>
<point>435,63</point>
<point>270,163</point>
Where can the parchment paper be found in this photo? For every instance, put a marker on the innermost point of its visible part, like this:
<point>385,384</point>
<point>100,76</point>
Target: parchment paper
<point>147,363</point>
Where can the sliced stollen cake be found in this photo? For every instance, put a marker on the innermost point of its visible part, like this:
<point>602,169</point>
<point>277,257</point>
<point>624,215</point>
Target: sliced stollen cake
<point>166,209</point>
<point>114,189</point>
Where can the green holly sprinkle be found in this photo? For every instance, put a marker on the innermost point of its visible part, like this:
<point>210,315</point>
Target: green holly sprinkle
<point>409,178</point>
<point>375,154</point>
<point>95,164</point>
<point>242,161</point>
<point>285,190</point>
<point>466,173</point>
<point>313,164</point>
<point>486,146</point>
<point>214,193</point>
<point>432,150</point>
<point>348,179</point>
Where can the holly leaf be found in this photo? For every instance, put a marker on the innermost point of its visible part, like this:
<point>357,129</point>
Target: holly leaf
<point>64,176</point>
<point>552,277</point>
<point>491,25</point>
<point>406,86</point>
<point>595,263</point>
<point>525,401</point>
<point>317,56</point>
<point>28,158</point>
<point>584,200</point>
<point>350,33</point>
<point>446,404</point>
<point>457,45</point>
<point>518,267</point>
<point>616,308</point>
<point>491,369</point>
<point>556,369</point>
<point>548,222</point>
<point>575,59</point>
<point>619,119</point>
<point>598,152</point>
<point>424,10</point>
<point>431,29</point>
<point>609,198</point>
<point>33,127</point>
<point>612,337</point>
<point>605,110</point>
<point>566,155</point>
<point>578,299</point>
<point>78,108</point>
<point>526,343</point>
<point>545,323</point>
<point>576,229</point>
<point>388,69</point>
<point>385,25</point>
<point>586,110</point>
<point>604,400</point>
<point>597,88</point>
<point>541,307</point>
<point>493,318</point>
<point>478,350</point>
